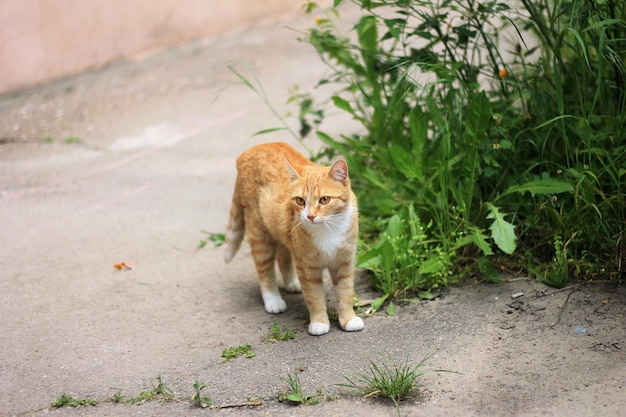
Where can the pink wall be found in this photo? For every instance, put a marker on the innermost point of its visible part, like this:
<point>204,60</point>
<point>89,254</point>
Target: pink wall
<point>41,40</point>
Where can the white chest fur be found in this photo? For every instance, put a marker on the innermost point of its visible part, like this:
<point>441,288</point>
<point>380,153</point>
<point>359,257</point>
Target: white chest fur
<point>329,234</point>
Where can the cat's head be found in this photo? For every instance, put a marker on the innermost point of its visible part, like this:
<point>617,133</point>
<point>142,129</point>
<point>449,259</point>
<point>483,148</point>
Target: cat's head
<point>319,194</point>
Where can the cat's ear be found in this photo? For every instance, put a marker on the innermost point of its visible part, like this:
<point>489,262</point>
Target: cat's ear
<point>293,174</point>
<point>339,171</point>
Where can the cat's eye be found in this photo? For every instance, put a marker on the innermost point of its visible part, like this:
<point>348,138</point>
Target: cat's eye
<point>300,201</point>
<point>325,200</point>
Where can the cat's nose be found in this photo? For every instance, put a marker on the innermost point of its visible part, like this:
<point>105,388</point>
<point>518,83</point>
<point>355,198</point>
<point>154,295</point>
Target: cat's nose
<point>311,217</point>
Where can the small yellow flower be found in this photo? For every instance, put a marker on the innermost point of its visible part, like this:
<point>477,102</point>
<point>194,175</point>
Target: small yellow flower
<point>318,19</point>
<point>503,73</point>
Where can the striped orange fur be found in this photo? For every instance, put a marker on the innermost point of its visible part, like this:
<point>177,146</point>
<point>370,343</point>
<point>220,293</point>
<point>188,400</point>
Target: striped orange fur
<point>303,217</point>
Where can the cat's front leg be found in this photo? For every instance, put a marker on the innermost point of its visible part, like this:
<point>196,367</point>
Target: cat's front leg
<point>343,283</point>
<point>313,291</point>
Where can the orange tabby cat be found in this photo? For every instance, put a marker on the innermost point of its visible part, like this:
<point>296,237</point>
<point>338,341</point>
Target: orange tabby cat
<point>298,213</point>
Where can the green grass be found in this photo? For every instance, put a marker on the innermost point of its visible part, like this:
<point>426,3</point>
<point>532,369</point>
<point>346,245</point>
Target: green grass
<point>217,239</point>
<point>394,381</point>
<point>118,397</point>
<point>198,399</point>
<point>236,351</point>
<point>71,140</point>
<point>384,379</point>
<point>65,400</point>
<point>295,395</point>
<point>159,391</point>
<point>278,333</point>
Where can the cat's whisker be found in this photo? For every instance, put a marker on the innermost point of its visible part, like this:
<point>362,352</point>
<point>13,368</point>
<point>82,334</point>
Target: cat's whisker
<point>297,224</point>
<point>328,227</point>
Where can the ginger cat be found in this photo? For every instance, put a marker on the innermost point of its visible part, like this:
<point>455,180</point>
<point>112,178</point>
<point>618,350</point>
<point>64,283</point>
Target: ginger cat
<point>298,213</point>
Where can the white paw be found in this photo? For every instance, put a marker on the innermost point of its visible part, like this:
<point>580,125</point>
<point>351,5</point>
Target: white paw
<point>274,304</point>
<point>293,286</point>
<point>355,325</point>
<point>318,329</point>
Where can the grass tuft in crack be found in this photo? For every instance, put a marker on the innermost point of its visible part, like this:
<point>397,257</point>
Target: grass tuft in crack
<point>158,392</point>
<point>294,394</point>
<point>198,399</point>
<point>396,381</point>
<point>66,400</point>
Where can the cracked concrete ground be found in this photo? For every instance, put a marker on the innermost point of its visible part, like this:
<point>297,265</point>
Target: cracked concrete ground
<point>132,163</point>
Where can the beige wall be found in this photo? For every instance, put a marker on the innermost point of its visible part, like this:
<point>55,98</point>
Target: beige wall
<point>41,40</point>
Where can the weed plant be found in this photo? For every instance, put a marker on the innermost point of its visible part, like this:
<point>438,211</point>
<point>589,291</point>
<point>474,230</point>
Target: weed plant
<point>490,137</point>
<point>294,394</point>
<point>198,399</point>
<point>395,381</point>
<point>236,351</point>
<point>66,400</point>
<point>278,333</point>
<point>160,391</point>
<point>218,240</point>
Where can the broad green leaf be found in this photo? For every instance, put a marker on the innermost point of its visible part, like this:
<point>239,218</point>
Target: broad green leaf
<point>295,398</point>
<point>378,303</point>
<point>391,309</point>
<point>394,227</point>
<point>368,36</point>
<point>476,237</point>
<point>430,266</point>
<point>403,161</point>
<point>327,140</point>
<point>369,260</point>
<point>395,27</point>
<point>502,232</point>
<point>541,187</point>
<point>343,104</point>
<point>480,240</point>
<point>425,295</point>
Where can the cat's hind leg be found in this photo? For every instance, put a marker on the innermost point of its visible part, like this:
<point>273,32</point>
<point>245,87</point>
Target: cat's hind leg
<point>287,270</point>
<point>264,254</point>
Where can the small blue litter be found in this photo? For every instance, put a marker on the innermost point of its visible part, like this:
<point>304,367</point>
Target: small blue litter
<point>580,330</point>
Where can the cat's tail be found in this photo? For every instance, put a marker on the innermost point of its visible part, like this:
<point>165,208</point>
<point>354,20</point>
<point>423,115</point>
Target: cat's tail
<point>235,229</point>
